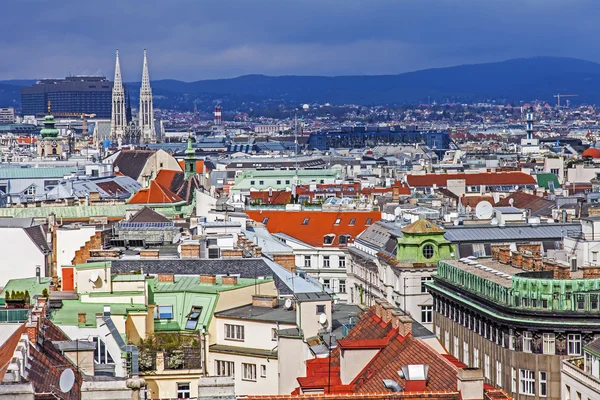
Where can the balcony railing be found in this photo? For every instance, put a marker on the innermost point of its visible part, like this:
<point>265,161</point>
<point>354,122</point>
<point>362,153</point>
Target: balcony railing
<point>13,315</point>
<point>572,370</point>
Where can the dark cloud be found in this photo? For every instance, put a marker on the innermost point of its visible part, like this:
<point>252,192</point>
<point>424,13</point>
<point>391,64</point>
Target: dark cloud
<point>199,39</point>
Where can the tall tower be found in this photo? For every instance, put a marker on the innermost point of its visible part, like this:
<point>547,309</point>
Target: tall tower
<point>218,119</point>
<point>146,112</point>
<point>117,120</point>
<point>529,120</point>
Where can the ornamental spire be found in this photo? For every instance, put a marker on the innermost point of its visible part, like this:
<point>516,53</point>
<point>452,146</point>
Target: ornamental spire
<point>118,82</point>
<point>145,77</point>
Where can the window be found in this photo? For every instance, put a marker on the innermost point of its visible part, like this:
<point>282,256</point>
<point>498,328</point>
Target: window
<point>287,182</point>
<point>527,382</point>
<point>426,314</point>
<point>513,374</point>
<point>594,302</point>
<point>163,312</point>
<point>475,357</point>
<point>352,221</point>
<point>466,354</point>
<point>342,288</point>
<point>456,352</point>
<point>261,182</point>
<point>554,171</point>
<point>328,239</point>
<point>193,317</point>
<point>543,384</point>
<point>344,239</point>
<point>273,333</point>
<point>549,343</point>
<point>574,344</point>
<point>183,391</point>
<point>342,262</point>
<point>30,190</point>
<point>527,339</point>
<point>320,308</point>
<point>263,371</point>
<point>337,221</point>
<point>486,366</point>
<point>234,332</point>
<point>305,222</point>
<point>224,368</point>
<point>580,302</point>
<point>214,252</point>
<point>326,262</point>
<point>248,372</point>
<point>424,280</point>
<point>498,373</point>
<point>447,339</point>
<point>101,354</point>
<point>307,261</point>
<point>265,220</point>
<point>252,182</point>
<point>511,339</point>
<point>279,182</point>
<point>428,251</point>
<point>369,221</point>
<point>594,256</point>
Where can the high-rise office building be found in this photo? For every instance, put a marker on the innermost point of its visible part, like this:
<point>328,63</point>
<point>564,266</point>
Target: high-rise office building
<point>72,95</point>
<point>7,115</point>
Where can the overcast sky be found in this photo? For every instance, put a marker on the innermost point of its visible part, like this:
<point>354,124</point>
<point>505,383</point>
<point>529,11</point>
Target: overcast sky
<point>199,39</point>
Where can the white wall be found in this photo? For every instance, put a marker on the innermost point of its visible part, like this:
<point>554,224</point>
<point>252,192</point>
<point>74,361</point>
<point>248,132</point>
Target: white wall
<point>257,335</point>
<point>68,241</point>
<point>20,255</point>
<point>263,385</point>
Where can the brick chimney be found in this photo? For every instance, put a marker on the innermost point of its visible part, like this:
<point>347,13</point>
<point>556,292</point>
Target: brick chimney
<point>260,300</point>
<point>504,255</point>
<point>287,261</point>
<point>379,308</point>
<point>81,318</point>
<point>517,259</point>
<point>149,253</point>
<point>591,272</point>
<point>190,250</point>
<point>166,278</point>
<point>401,322</point>
<point>387,312</point>
<point>32,329</point>
<point>470,383</point>
<point>229,280</point>
<point>210,279</point>
<point>527,262</point>
<point>231,253</point>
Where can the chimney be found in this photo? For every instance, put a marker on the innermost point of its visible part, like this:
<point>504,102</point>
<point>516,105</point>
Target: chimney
<point>32,329</point>
<point>257,251</point>
<point>379,308</point>
<point>287,261</point>
<point>504,255</point>
<point>166,278</point>
<point>591,272</point>
<point>470,383</point>
<point>81,318</point>
<point>149,253</point>
<point>190,250</point>
<point>229,280</point>
<point>387,312</point>
<point>210,279</point>
<point>259,300</point>
<point>404,323</point>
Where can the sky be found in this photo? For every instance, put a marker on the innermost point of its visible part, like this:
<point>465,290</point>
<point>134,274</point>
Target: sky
<point>198,39</point>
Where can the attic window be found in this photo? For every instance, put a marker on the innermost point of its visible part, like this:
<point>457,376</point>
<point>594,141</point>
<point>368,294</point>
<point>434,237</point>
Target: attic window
<point>369,221</point>
<point>352,221</point>
<point>305,222</point>
<point>265,221</point>
<point>193,317</point>
<point>328,239</point>
<point>337,221</point>
<point>344,239</point>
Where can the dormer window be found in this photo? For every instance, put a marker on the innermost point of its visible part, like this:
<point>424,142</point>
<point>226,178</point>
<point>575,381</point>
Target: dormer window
<point>344,239</point>
<point>369,221</point>
<point>352,221</point>
<point>328,239</point>
<point>265,221</point>
<point>305,222</point>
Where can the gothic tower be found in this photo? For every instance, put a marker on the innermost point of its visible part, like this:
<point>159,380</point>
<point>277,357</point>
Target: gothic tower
<point>117,121</point>
<point>146,112</point>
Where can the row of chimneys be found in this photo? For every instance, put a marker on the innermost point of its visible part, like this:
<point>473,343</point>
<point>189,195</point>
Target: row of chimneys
<point>388,313</point>
<point>528,258</point>
<point>204,278</point>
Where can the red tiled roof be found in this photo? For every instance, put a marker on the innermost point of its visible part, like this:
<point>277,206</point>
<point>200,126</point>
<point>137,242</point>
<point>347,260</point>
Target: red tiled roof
<point>445,395</point>
<point>472,201</point>
<point>154,194</point>
<point>320,223</point>
<point>482,178</point>
<point>199,165</point>
<point>8,349</point>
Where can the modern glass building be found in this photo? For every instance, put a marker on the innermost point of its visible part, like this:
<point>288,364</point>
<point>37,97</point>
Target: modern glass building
<point>72,95</point>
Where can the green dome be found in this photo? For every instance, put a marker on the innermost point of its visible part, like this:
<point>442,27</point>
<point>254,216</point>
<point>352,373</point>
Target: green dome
<point>49,130</point>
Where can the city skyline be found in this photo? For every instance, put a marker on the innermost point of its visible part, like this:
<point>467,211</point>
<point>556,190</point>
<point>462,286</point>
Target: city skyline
<point>194,41</point>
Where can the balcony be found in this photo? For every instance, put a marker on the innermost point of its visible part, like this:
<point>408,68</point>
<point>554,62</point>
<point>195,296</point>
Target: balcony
<point>12,316</point>
<point>573,368</point>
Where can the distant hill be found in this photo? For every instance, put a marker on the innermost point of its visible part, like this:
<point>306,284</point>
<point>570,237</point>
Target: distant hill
<point>508,81</point>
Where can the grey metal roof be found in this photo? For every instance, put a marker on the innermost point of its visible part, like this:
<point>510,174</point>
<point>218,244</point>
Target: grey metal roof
<point>466,233</point>
<point>285,281</point>
<point>508,210</point>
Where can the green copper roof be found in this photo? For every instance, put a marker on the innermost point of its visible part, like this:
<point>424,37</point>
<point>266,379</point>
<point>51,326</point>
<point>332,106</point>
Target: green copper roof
<point>49,130</point>
<point>23,284</point>
<point>543,181</point>
<point>68,313</point>
<point>31,173</point>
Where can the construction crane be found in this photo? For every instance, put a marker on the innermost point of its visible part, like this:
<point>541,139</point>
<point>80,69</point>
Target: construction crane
<point>83,117</point>
<point>558,96</point>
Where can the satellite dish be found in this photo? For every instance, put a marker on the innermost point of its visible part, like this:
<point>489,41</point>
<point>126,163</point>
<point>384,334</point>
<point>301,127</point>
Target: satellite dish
<point>323,319</point>
<point>67,380</point>
<point>397,211</point>
<point>94,276</point>
<point>288,304</point>
<point>511,202</point>
<point>468,209</point>
<point>455,222</point>
<point>484,210</point>
<point>494,221</point>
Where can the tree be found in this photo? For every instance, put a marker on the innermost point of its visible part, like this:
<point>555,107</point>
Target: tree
<point>7,295</point>
<point>45,292</point>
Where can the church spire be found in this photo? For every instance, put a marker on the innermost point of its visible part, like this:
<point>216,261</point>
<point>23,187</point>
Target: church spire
<point>146,113</point>
<point>117,120</point>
